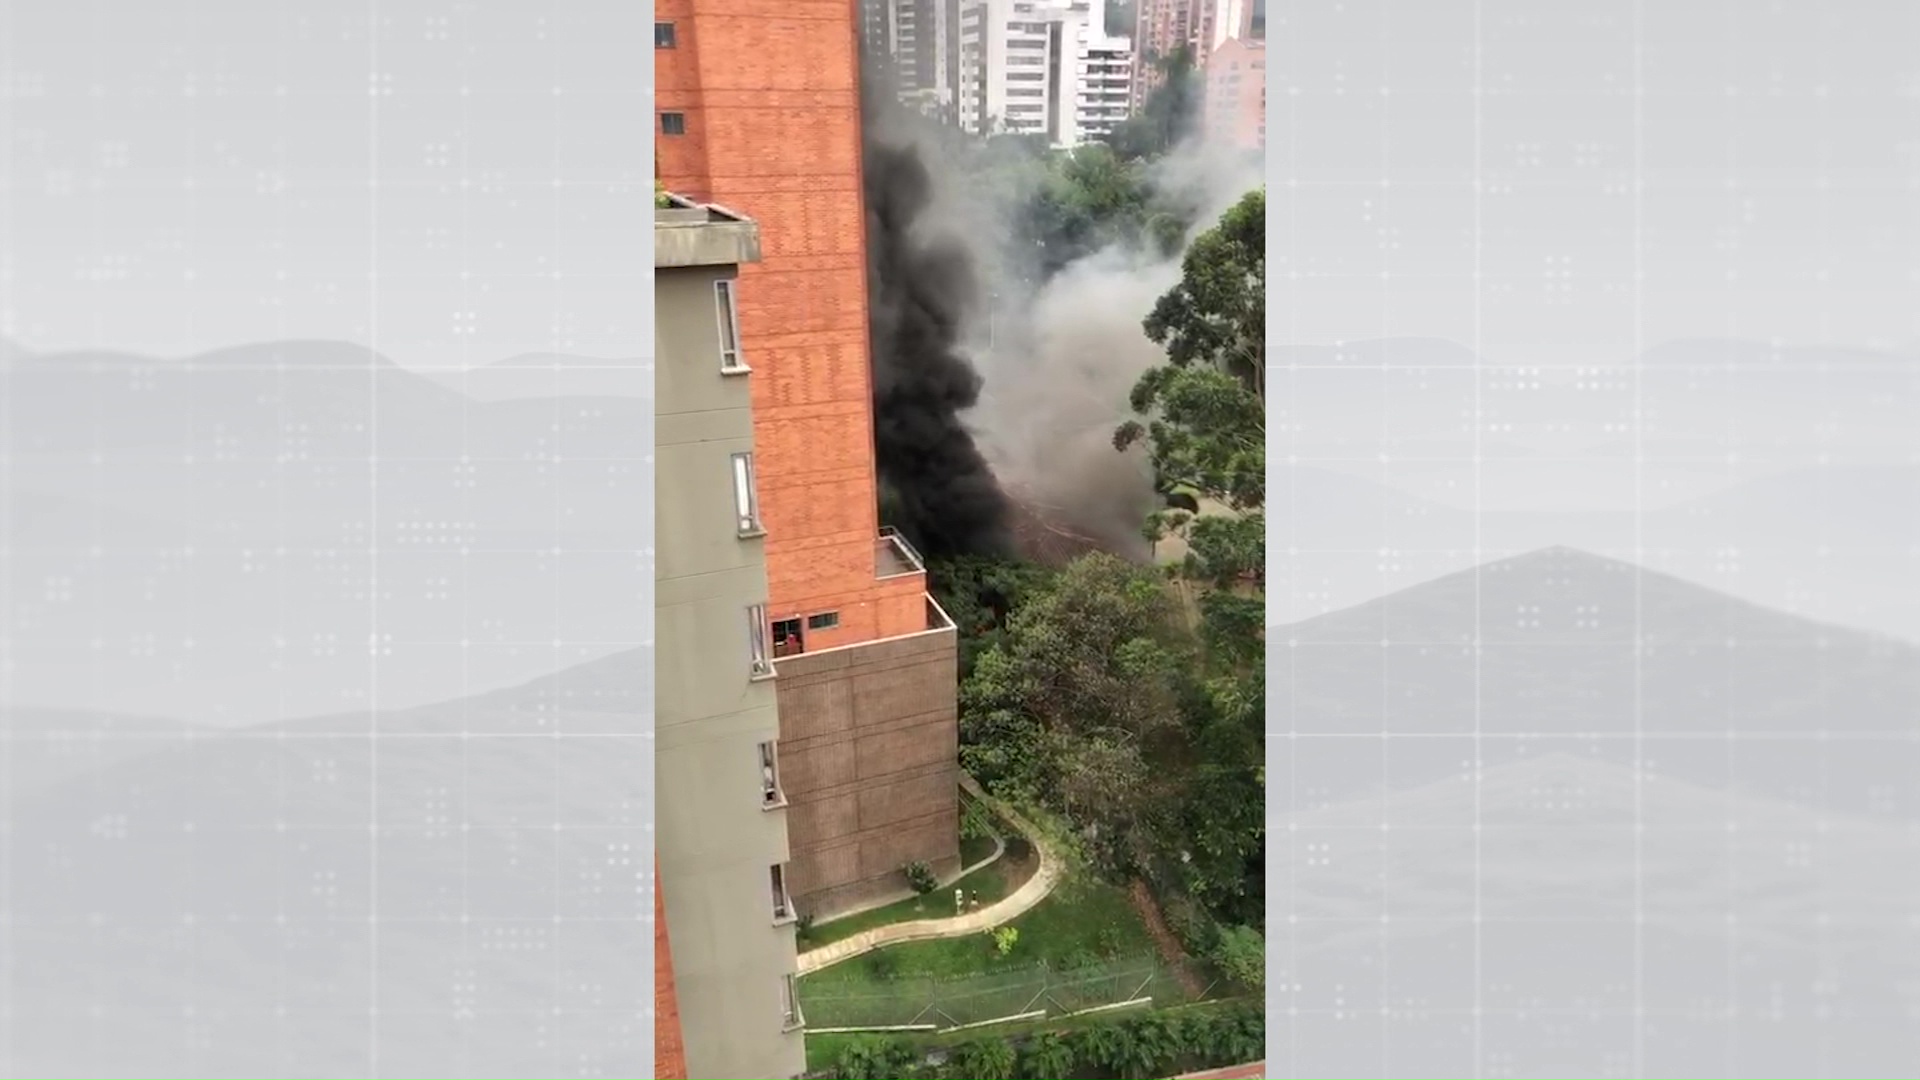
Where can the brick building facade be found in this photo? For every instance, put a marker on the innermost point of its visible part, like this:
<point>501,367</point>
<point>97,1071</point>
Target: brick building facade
<point>669,1050</point>
<point>759,112</point>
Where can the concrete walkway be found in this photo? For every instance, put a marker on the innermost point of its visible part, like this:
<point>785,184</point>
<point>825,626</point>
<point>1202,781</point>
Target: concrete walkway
<point>995,914</point>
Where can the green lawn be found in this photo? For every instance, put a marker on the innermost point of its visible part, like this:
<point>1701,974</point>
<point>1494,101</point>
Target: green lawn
<point>1079,923</point>
<point>974,849</point>
<point>992,882</point>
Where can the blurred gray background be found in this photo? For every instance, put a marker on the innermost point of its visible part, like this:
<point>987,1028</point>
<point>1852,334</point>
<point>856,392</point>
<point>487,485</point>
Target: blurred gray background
<point>1594,538</point>
<point>325,526</point>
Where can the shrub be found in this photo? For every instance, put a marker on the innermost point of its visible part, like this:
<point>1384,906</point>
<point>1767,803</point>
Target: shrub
<point>803,925</point>
<point>983,1059</point>
<point>1241,955</point>
<point>1004,939</point>
<point>874,1058</point>
<point>920,877</point>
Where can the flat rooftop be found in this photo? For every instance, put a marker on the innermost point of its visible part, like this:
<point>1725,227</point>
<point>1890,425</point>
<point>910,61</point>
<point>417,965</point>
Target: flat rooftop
<point>688,233</point>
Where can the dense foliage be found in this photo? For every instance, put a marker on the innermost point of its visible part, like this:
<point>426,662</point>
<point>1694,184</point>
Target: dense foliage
<point>1128,704</point>
<point>1140,1045</point>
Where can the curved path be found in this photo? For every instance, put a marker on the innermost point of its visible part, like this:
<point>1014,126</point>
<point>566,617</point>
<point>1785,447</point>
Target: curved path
<point>1001,911</point>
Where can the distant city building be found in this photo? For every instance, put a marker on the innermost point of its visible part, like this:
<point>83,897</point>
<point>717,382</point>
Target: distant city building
<point>1227,19</point>
<point>1033,67</point>
<point>1103,82</point>
<point>1201,26</point>
<point>1235,108</point>
<point>915,45</point>
<point>1161,27</point>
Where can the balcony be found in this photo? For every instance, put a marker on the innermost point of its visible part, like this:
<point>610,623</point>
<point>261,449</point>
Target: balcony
<point>894,557</point>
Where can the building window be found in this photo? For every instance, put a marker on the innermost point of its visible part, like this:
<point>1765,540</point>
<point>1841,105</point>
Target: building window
<point>826,620</point>
<point>663,35</point>
<point>673,123</point>
<point>787,639</point>
<point>790,1018</point>
<point>782,902</point>
<point>746,504</point>
<point>770,794</point>
<point>760,664</point>
<point>729,311</point>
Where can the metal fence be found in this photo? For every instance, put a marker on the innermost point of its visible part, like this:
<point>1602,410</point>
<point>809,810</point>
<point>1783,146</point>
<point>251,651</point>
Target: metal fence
<point>908,1001</point>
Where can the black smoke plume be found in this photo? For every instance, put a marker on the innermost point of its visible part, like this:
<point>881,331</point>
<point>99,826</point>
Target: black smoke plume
<point>936,486</point>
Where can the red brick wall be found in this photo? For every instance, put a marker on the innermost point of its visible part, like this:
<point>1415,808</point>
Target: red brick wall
<point>771,92</point>
<point>669,1053</point>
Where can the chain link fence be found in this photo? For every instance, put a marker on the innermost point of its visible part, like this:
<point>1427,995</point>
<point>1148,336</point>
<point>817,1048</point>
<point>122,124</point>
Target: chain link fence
<point>912,1001</point>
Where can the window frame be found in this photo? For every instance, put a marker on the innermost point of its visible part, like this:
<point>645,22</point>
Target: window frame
<point>726,304</point>
<point>791,1018</point>
<point>777,874</point>
<point>759,643</point>
<point>769,760</point>
<point>678,118</point>
<point>671,39</point>
<point>823,620</point>
<point>746,496</point>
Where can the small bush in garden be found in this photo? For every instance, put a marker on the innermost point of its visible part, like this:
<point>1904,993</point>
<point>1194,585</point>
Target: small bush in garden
<point>920,877</point>
<point>1004,939</point>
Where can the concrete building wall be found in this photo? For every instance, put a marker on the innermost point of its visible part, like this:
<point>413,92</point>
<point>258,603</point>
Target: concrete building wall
<point>717,839</point>
<point>871,750</point>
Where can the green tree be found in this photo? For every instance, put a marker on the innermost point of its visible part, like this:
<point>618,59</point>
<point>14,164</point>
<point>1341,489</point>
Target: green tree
<point>1080,705</point>
<point>1217,314</point>
<point>1202,418</point>
<point>980,594</point>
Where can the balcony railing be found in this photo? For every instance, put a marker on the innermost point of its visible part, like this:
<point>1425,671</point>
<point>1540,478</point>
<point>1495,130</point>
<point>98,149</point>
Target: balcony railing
<point>893,556</point>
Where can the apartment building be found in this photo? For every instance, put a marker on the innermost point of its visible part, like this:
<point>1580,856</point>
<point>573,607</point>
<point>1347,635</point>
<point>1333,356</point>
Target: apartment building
<point>721,835</point>
<point>1034,67</point>
<point>915,45</point>
<point>1161,27</point>
<point>1235,107</point>
<point>759,111</point>
<point>1103,81</point>
<point>1011,73</point>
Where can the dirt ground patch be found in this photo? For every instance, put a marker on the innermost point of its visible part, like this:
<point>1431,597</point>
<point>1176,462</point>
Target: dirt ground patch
<point>1164,939</point>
